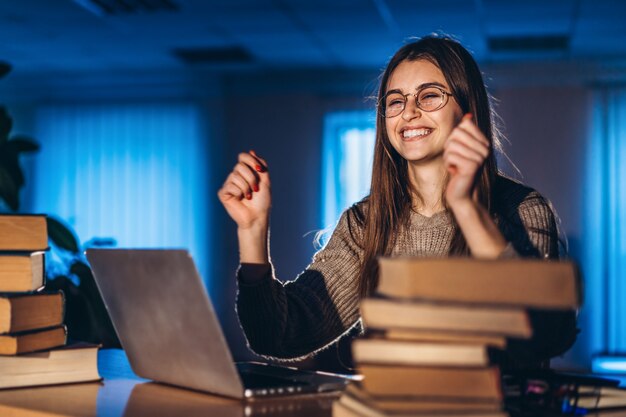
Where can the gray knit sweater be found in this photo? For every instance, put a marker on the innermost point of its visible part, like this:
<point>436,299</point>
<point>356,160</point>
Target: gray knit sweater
<point>297,318</point>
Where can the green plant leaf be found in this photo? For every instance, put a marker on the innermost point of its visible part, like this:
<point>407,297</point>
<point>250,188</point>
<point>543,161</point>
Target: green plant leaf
<point>100,242</point>
<point>9,160</point>
<point>9,191</point>
<point>6,124</point>
<point>21,143</point>
<point>59,282</point>
<point>5,68</point>
<point>81,270</point>
<point>62,236</point>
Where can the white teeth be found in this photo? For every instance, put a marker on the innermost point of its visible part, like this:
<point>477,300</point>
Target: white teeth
<point>416,132</point>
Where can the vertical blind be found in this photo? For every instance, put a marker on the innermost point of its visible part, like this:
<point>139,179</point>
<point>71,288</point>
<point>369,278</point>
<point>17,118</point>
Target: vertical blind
<point>348,150</point>
<point>604,264</point>
<point>133,172</point>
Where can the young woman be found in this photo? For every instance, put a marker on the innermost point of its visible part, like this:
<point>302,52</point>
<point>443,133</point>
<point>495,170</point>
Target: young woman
<point>435,192</point>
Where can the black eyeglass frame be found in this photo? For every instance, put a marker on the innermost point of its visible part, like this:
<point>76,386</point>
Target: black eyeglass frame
<point>445,97</point>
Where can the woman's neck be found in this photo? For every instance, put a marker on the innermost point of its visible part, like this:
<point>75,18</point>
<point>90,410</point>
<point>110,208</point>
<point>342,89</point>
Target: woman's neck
<point>428,180</point>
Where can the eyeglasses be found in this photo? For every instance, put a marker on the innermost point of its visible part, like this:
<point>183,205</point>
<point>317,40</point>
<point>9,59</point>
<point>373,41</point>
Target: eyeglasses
<point>426,99</point>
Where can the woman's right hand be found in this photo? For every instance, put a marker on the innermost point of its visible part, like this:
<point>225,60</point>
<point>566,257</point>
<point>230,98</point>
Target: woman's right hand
<point>246,192</point>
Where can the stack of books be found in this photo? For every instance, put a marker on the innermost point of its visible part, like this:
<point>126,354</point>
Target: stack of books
<point>433,325</point>
<point>33,337</point>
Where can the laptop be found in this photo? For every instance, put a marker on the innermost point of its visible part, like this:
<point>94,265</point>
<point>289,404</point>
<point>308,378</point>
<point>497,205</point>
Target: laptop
<point>167,325</point>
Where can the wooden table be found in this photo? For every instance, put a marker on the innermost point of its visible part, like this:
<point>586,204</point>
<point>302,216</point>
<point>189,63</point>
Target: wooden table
<point>122,393</point>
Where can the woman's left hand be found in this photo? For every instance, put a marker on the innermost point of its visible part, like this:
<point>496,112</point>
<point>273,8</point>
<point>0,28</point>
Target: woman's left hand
<point>464,153</point>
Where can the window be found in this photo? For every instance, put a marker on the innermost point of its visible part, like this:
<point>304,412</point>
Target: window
<point>348,149</point>
<point>133,172</point>
<point>605,231</point>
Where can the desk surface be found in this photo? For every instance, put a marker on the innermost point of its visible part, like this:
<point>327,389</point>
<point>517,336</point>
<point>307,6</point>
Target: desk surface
<point>123,394</point>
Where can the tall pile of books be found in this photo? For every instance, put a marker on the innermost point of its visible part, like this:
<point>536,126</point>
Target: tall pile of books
<point>433,326</point>
<point>33,337</point>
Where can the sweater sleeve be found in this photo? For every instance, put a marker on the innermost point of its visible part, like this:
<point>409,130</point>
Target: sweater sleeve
<point>532,232</point>
<point>531,229</point>
<point>294,319</point>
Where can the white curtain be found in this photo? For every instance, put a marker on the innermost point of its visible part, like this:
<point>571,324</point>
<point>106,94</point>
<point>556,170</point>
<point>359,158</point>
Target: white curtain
<point>604,244</point>
<point>348,149</point>
<point>133,172</point>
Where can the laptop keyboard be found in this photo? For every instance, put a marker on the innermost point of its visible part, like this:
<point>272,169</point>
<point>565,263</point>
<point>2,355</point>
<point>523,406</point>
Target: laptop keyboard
<point>268,380</point>
<point>254,381</point>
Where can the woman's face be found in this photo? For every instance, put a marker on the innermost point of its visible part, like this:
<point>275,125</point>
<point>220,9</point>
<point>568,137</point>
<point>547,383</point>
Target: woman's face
<point>418,136</point>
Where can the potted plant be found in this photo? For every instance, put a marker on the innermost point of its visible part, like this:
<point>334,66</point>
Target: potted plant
<point>85,315</point>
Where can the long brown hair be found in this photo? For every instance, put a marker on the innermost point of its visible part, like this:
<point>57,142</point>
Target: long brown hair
<point>389,201</point>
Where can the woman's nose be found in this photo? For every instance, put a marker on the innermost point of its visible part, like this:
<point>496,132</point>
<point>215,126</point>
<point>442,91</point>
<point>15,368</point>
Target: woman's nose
<point>410,109</point>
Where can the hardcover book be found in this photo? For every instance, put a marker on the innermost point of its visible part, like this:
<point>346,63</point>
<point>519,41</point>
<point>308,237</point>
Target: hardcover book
<point>23,233</point>
<point>359,402</point>
<point>381,313</point>
<point>22,312</point>
<point>347,406</point>
<point>22,272</point>
<point>32,341</point>
<point>72,363</point>
<point>434,335</point>
<point>382,351</point>
<point>432,382</point>
<point>519,282</point>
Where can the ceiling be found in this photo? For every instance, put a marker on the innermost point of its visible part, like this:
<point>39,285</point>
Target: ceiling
<point>80,36</point>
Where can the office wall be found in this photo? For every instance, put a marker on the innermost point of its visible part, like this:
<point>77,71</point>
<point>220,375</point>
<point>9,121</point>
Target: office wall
<point>548,129</point>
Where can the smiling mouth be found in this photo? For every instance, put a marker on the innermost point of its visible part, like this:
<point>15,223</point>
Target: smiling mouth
<point>416,133</point>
